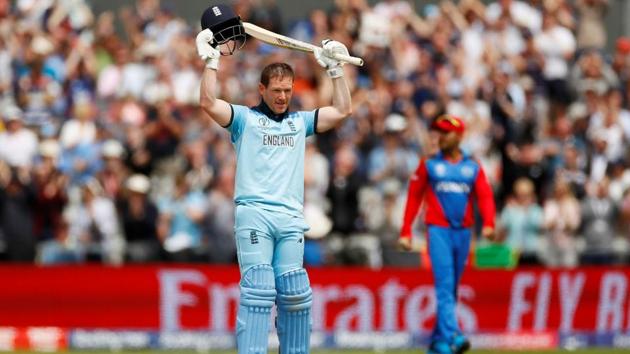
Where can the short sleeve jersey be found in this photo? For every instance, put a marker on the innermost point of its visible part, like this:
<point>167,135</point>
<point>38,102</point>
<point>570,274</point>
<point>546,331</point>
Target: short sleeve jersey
<point>270,157</point>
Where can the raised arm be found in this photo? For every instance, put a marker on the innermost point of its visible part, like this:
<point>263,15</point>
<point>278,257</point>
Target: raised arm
<point>219,110</point>
<point>330,116</point>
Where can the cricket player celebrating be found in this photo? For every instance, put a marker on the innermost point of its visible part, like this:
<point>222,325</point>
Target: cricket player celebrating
<point>447,183</point>
<point>269,140</point>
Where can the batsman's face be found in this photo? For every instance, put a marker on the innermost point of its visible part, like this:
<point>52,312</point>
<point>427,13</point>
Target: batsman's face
<point>277,94</point>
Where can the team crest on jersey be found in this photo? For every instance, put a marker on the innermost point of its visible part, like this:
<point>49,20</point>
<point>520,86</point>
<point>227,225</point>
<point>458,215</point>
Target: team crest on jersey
<point>440,169</point>
<point>467,171</point>
<point>263,123</point>
<point>291,125</point>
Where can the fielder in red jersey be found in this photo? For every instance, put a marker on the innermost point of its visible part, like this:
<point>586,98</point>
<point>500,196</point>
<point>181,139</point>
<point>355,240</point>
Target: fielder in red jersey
<point>447,183</point>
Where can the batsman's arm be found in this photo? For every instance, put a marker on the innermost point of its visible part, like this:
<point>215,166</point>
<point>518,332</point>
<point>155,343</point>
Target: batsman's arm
<point>214,108</point>
<point>330,116</point>
<point>219,110</point>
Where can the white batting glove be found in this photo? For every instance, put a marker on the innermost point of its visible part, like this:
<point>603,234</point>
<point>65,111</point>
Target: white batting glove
<point>205,51</point>
<point>325,58</point>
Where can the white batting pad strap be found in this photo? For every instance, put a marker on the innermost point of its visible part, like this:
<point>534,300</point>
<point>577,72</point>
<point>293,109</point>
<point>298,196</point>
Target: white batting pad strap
<point>335,72</point>
<point>212,63</point>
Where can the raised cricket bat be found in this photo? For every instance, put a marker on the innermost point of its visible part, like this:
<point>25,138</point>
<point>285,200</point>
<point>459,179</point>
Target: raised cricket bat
<point>279,40</point>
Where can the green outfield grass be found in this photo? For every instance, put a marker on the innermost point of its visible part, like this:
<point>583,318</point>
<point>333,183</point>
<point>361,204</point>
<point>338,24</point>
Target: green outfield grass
<point>584,351</point>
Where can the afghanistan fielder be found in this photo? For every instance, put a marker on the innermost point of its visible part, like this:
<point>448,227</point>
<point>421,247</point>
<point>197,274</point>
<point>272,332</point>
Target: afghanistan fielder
<point>269,226</point>
<point>447,183</point>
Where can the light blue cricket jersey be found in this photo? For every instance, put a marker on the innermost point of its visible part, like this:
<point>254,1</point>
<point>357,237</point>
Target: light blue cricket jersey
<point>270,157</point>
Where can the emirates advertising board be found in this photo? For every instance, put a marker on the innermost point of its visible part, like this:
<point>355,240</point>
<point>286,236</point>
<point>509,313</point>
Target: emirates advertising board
<point>195,306</point>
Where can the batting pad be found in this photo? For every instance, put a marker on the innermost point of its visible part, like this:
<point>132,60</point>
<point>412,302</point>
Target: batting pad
<point>258,295</point>
<point>294,302</point>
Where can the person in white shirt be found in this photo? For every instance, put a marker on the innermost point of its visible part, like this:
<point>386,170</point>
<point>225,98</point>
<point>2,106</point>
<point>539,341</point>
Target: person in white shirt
<point>81,128</point>
<point>18,145</point>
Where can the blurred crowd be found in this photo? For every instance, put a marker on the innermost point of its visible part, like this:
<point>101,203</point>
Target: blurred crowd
<point>106,157</point>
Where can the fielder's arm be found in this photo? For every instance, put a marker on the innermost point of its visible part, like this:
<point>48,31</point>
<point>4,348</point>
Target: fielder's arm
<point>415,196</point>
<point>485,201</point>
<point>219,110</point>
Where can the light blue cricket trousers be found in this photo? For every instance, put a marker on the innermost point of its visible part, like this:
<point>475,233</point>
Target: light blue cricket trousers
<point>269,237</point>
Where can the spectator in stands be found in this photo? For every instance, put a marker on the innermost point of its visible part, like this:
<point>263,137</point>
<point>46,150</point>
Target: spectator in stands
<point>591,31</point>
<point>51,193</point>
<point>94,233</point>
<point>179,224</point>
<point>521,221</point>
<point>343,193</point>
<point>561,215</point>
<point>114,173</point>
<point>17,201</point>
<point>18,145</point>
<point>391,160</point>
<point>219,222</point>
<point>572,170</point>
<point>598,226</point>
<point>557,45</point>
<point>139,219</point>
<point>621,58</point>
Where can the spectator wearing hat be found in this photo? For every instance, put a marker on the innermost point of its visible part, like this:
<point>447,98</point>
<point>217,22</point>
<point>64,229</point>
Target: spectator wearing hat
<point>139,219</point>
<point>18,145</point>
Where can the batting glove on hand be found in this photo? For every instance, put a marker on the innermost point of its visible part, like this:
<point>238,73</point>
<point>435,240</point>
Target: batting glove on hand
<point>205,51</point>
<point>325,57</point>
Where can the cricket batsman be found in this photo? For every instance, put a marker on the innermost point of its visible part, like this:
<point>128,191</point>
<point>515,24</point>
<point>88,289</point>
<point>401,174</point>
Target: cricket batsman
<point>269,140</point>
<point>447,183</point>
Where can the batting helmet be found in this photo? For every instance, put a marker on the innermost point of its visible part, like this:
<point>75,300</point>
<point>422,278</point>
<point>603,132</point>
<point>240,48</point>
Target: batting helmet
<point>226,26</point>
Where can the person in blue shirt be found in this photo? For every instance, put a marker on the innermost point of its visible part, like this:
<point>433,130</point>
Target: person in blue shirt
<point>269,140</point>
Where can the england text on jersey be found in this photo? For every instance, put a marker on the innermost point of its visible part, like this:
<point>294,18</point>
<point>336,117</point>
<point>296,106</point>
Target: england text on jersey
<point>278,140</point>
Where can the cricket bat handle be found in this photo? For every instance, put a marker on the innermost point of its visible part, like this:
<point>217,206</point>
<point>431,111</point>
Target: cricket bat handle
<point>348,59</point>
